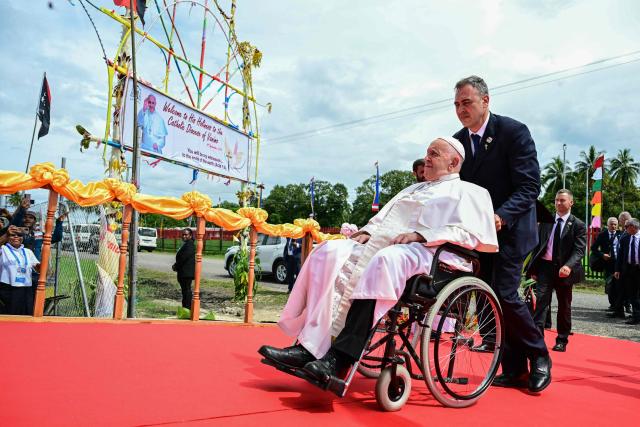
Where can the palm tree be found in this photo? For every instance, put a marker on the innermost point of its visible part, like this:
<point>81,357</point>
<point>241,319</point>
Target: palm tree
<point>624,170</point>
<point>553,174</point>
<point>585,165</point>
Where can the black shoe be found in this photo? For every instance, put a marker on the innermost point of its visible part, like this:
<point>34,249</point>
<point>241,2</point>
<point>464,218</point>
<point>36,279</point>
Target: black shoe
<point>540,376</point>
<point>616,315</point>
<point>560,346</point>
<point>511,380</point>
<point>325,368</point>
<point>632,321</point>
<point>293,357</point>
<point>485,347</point>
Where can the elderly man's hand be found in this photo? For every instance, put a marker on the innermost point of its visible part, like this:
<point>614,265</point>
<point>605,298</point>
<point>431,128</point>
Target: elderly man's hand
<point>617,275</point>
<point>407,238</point>
<point>361,238</point>
<point>498,222</point>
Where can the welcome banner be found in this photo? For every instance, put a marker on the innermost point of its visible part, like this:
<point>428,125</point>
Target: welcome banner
<point>173,131</point>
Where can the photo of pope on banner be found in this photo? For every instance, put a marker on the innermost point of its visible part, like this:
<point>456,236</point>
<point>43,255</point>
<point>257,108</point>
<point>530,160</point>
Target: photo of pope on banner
<point>375,263</point>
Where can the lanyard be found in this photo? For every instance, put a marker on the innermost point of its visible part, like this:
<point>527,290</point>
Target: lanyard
<point>24,254</point>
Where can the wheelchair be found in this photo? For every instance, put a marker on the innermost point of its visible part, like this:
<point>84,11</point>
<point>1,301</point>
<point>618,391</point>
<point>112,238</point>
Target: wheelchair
<point>443,316</point>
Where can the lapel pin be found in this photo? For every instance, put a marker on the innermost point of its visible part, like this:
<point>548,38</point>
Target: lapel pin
<point>487,142</point>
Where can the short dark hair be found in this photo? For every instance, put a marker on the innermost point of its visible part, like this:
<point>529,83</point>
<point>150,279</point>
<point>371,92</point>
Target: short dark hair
<point>476,82</point>
<point>188,230</point>
<point>417,163</point>
<point>565,191</point>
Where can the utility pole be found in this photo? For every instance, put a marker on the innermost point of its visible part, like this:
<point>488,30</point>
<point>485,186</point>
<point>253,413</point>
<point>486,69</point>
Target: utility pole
<point>135,177</point>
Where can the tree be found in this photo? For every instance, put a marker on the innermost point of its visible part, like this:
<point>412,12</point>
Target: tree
<point>624,171</point>
<point>390,184</point>
<point>331,203</point>
<point>293,201</point>
<point>553,175</point>
<point>286,203</point>
<point>585,165</point>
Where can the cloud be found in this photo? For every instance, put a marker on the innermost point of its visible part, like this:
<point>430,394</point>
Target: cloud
<point>330,62</point>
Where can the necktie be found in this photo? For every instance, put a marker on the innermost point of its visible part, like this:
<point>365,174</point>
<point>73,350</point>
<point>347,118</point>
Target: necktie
<point>633,256</point>
<point>555,251</point>
<point>476,144</point>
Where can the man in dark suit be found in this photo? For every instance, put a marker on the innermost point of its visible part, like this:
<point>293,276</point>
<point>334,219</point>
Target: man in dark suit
<point>628,267</point>
<point>185,266</point>
<point>557,265</point>
<point>500,155</point>
<point>602,256</point>
<point>621,303</point>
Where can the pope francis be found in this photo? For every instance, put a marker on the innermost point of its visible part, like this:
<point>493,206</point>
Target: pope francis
<point>346,286</point>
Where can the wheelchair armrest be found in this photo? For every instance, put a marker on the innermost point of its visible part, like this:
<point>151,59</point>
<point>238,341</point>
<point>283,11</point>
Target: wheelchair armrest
<point>467,254</point>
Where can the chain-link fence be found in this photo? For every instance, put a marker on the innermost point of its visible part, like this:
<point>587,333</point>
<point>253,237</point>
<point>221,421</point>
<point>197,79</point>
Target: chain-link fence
<point>83,267</point>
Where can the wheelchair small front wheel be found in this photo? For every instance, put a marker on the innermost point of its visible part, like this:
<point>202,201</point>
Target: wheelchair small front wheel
<point>391,397</point>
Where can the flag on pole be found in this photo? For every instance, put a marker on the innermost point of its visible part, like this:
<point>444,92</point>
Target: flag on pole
<point>312,194</point>
<point>44,108</point>
<point>596,200</point>
<point>139,6</point>
<point>194,177</point>
<point>375,206</point>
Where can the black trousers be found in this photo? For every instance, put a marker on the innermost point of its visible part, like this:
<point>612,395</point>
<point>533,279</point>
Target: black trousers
<point>523,340</point>
<point>185,287</point>
<point>352,340</point>
<point>293,268</point>
<point>5,298</point>
<point>631,280</point>
<point>548,281</point>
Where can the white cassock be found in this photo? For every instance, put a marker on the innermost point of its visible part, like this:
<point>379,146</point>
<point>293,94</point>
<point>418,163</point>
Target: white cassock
<point>338,271</point>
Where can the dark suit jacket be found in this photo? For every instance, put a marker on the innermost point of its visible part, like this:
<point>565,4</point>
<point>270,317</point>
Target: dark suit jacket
<point>185,264</point>
<point>622,262</point>
<point>601,246</point>
<point>507,166</point>
<point>573,241</point>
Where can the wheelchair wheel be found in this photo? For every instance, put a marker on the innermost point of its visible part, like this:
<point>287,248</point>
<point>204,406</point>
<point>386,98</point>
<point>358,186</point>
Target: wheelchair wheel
<point>393,397</point>
<point>457,373</point>
<point>371,361</point>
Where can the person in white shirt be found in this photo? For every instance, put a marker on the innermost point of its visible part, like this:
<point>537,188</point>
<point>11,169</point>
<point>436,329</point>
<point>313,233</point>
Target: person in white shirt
<point>373,265</point>
<point>16,265</point>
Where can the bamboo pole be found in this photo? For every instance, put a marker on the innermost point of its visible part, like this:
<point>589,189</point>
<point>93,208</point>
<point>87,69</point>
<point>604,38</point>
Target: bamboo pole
<point>121,20</point>
<point>307,246</point>
<point>118,307</point>
<point>248,308</point>
<point>38,305</point>
<point>195,302</point>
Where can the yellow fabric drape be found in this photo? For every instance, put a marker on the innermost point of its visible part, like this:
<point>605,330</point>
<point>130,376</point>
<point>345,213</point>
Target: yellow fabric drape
<point>45,175</point>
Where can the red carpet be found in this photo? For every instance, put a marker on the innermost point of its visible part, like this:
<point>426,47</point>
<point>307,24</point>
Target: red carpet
<point>145,374</point>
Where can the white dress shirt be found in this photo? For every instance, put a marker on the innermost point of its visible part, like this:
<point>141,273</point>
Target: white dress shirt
<point>548,254</point>
<point>479,132</point>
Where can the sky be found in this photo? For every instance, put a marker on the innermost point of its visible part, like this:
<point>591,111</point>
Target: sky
<point>354,82</point>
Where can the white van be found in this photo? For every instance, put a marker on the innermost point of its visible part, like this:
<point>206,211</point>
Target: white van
<point>148,238</point>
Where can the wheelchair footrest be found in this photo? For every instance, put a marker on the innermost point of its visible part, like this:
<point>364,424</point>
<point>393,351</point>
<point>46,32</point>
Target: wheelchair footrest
<point>335,385</point>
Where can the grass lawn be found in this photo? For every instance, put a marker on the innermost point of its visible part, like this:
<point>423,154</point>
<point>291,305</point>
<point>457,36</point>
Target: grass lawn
<point>159,297</point>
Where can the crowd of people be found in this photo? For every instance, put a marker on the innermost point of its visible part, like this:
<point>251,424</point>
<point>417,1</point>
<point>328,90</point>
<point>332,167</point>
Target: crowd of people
<point>21,239</point>
<point>615,252</point>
